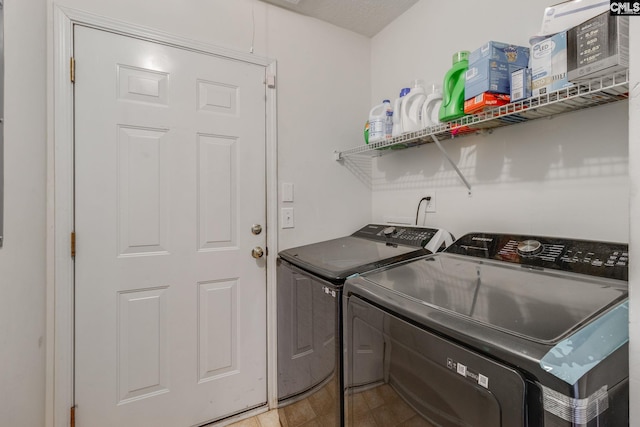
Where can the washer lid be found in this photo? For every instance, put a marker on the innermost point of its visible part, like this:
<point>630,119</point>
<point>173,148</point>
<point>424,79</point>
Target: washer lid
<point>338,259</point>
<point>537,304</point>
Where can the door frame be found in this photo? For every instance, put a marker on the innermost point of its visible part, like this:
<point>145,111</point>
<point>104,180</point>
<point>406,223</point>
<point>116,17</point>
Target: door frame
<point>60,196</point>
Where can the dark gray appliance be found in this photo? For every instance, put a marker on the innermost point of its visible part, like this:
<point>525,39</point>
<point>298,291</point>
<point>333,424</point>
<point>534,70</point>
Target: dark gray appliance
<point>497,330</point>
<point>309,290</point>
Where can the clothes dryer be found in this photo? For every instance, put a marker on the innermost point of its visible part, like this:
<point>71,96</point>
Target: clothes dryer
<point>309,292</point>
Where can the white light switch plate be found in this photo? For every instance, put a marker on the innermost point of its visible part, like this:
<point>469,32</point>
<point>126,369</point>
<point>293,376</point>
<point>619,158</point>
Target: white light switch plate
<point>286,218</point>
<point>287,192</point>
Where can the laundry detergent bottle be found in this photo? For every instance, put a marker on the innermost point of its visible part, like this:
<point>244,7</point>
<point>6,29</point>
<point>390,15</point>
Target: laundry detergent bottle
<point>453,88</point>
<point>378,121</point>
<point>411,105</point>
<point>396,129</point>
<point>431,107</point>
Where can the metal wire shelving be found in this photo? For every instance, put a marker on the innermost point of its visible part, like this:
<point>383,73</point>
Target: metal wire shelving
<point>581,95</point>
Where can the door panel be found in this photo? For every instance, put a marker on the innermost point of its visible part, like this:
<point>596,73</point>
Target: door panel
<point>170,177</point>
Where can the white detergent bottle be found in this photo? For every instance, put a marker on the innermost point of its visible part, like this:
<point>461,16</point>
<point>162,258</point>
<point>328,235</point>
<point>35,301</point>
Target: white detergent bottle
<point>411,107</point>
<point>378,120</point>
<point>388,124</point>
<point>397,118</point>
<point>431,107</point>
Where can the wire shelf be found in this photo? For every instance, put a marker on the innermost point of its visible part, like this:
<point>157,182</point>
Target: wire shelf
<point>581,95</point>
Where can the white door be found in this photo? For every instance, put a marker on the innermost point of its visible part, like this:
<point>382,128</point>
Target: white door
<point>169,179</point>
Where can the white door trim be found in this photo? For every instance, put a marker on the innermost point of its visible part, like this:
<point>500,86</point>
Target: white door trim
<point>60,279</point>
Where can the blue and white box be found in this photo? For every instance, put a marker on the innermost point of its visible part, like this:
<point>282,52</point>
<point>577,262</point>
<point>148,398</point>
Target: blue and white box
<point>549,65</point>
<point>504,52</point>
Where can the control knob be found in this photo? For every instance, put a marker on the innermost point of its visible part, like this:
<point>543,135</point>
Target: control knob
<point>529,247</point>
<point>388,231</point>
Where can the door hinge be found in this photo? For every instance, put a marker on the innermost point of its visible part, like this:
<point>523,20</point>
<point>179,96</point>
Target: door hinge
<point>72,417</point>
<point>270,80</point>
<point>72,69</point>
<point>73,245</point>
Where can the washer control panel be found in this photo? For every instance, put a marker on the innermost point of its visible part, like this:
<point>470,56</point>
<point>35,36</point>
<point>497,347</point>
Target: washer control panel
<point>397,234</point>
<point>603,259</point>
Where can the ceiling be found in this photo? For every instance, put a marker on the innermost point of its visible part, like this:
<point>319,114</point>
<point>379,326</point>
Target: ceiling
<point>366,17</point>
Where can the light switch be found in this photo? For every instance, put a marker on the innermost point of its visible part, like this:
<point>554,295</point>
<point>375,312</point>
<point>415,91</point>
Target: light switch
<point>287,192</point>
<point>286,218</point>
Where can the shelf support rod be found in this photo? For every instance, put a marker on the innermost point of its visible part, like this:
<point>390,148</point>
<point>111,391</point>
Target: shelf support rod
<point>451,162</point>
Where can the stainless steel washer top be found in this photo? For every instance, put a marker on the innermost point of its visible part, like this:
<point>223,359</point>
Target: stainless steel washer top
<point>553,309</point>
<point>371,247</point>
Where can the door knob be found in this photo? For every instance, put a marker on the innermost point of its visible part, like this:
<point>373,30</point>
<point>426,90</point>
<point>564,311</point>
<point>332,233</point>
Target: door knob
<point>257,252</point>
<point>256,229</point>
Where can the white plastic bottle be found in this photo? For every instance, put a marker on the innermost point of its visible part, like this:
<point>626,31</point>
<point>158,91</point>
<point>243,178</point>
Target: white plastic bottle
<point>388,124</point>
<point>378,121</point>
<point>397,117</point>
<point>431,107</point>
<point>411,107</point>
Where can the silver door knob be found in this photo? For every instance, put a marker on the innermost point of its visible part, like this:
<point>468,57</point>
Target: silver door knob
<point>256,229</point>
<point>257,252</point>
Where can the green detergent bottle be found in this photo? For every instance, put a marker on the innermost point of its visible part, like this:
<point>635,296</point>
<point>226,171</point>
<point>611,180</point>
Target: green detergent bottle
<point>453,88</point>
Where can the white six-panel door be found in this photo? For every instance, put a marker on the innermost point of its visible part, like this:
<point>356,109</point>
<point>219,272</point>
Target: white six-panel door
<point>169,180</point>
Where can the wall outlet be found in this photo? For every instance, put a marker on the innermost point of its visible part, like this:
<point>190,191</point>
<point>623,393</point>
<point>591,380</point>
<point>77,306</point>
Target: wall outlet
<point>286,218</point>
<point>431,204</point>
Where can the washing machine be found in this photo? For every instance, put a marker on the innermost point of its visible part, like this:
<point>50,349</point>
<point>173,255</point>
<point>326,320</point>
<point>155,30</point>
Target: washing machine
<point>496,330</point>
<point>309,313</point>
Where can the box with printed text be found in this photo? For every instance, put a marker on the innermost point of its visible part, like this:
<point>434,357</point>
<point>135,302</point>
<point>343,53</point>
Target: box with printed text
<point>597,47</point>
<point>549,65</point>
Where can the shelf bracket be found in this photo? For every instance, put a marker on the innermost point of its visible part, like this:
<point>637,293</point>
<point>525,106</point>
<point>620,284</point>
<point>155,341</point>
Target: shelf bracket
<point>451,162</point>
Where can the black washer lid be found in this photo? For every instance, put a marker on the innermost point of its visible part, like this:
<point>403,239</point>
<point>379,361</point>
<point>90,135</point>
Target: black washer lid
<point>538,304</point>
<point>337,259</point>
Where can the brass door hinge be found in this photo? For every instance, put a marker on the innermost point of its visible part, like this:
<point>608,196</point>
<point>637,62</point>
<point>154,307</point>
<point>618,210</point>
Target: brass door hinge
<point>73,245</point>
<point>72,69</point>
<point>270,81</point>
<point>72,417</point>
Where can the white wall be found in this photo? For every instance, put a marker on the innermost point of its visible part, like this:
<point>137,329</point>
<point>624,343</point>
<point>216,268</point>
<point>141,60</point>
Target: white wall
<point>22,259</point>
<point>565,176</point>
<point>634,177</point>
<point>324,84</point>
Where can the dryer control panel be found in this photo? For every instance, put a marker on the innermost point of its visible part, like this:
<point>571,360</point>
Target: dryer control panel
<point>602,259</point>
<point>397,234</point>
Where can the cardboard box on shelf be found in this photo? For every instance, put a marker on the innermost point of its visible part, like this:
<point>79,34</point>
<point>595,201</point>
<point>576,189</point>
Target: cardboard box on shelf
<point>520,84</point>
<point>488,75</point>
<point>498,51</point>
<point>563,16</point>
<point>549,65</point>
<point>490,67</point>
<point>484,101</point>
<point>597,47</point>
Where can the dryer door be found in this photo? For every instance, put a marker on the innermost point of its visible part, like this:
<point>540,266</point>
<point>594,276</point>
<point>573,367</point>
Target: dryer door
<point>422,378</point>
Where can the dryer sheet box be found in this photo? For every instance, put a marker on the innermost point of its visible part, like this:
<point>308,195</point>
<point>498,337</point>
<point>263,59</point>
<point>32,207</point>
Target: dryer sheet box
<point>490,68</point>
<point>549,65</point>
<point>597,47</point>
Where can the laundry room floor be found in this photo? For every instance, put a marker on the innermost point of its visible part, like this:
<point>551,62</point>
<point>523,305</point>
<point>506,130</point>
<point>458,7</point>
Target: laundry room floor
<point>268,419</point>
<point>382,407</point>
<point>377,407</point>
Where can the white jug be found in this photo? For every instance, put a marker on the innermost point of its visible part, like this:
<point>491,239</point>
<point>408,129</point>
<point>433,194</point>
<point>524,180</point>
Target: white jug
<point>411,107</point>
<point>431,107</point>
